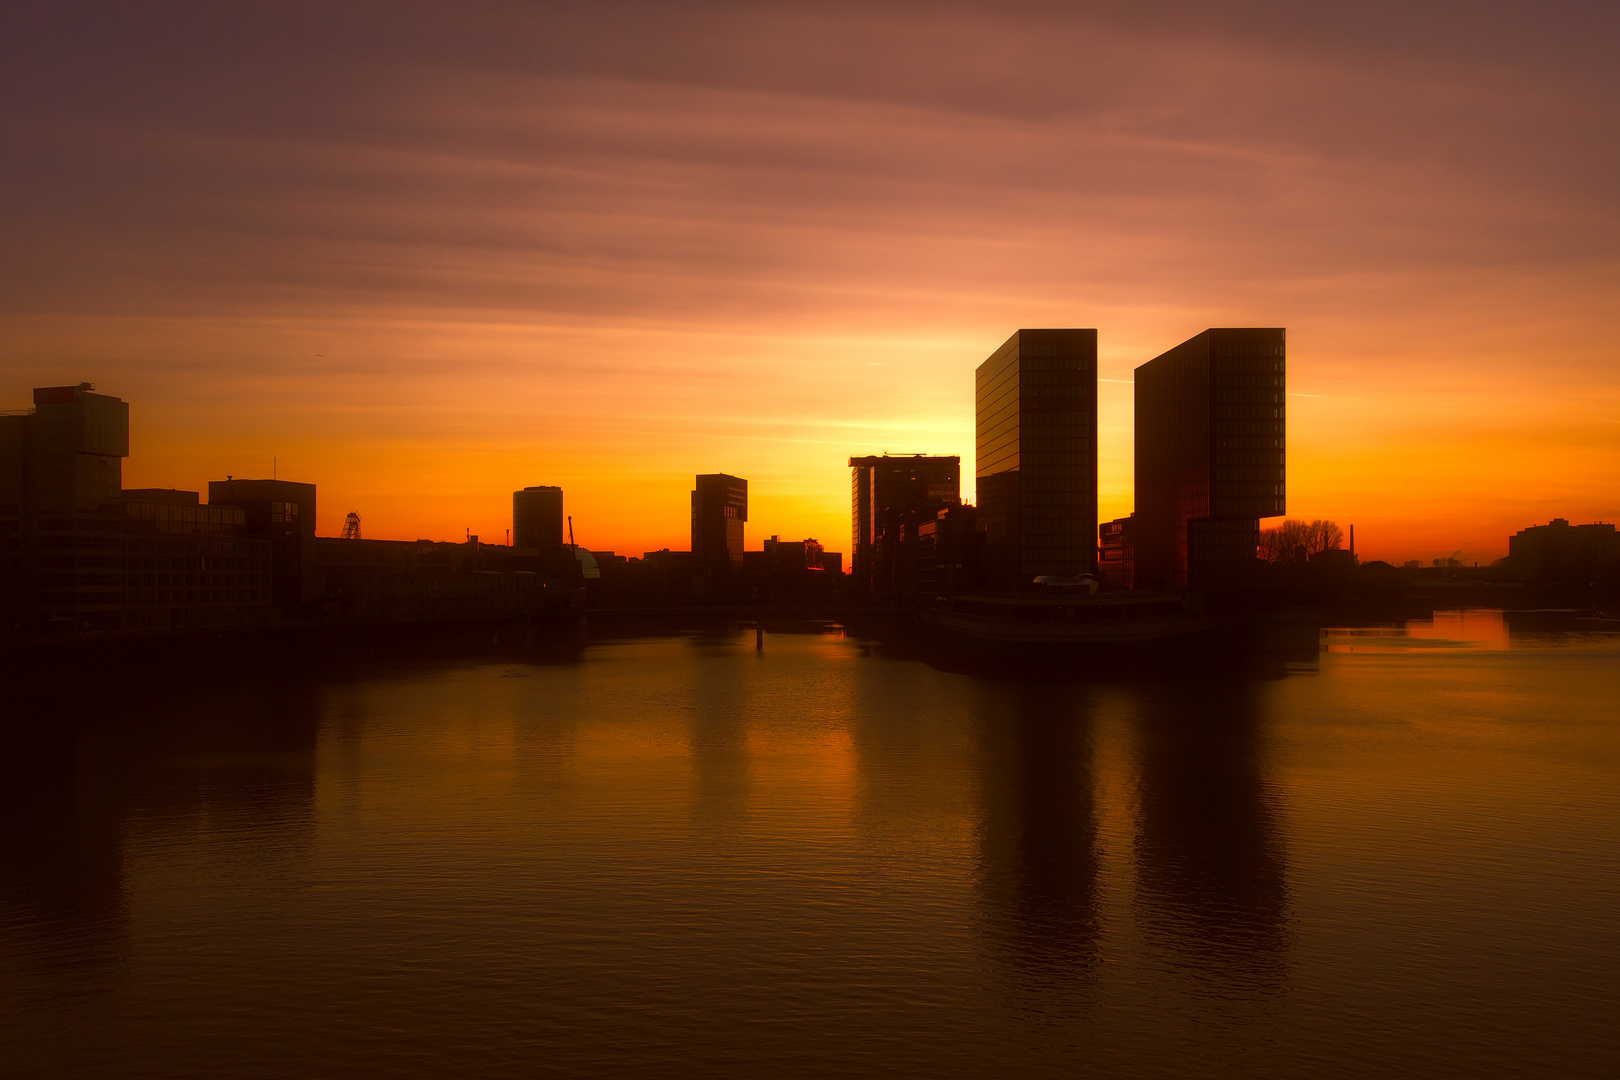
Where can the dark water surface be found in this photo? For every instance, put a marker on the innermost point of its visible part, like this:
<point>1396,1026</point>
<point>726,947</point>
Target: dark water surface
<point>683,856</point>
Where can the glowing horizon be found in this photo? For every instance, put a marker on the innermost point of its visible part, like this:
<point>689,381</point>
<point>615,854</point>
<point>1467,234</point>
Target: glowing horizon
<point>424,260</point>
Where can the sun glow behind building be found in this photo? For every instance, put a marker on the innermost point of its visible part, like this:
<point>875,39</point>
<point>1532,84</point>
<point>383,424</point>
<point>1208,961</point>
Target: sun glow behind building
<point>454,255</point>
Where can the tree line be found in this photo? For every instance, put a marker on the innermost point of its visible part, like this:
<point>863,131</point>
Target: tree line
<point>1295,541</point>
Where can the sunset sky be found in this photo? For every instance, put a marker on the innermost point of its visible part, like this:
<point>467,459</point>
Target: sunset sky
<point>423,254</point>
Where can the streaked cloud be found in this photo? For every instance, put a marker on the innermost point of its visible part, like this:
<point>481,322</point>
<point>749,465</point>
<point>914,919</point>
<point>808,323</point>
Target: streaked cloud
<point>429,253</point>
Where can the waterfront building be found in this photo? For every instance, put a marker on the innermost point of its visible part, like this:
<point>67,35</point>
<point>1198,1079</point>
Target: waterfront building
<point>791,556</point>
<point>1036,463</point>
<point>1559,551</point>
<point>719,510</point>
<point>190,566</point>
<point>949,552</point>
<point>61,525</point>
<point>284,512</point>
<point>1116,552</point>
<point>537,517</point>
<point>892,496</point>
<point>1210,440</point>
<point>403,581</point>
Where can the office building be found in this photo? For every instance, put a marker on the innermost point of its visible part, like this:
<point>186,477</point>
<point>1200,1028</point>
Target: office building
<point>719,510</point>
<point>891,497</point>
<point>61,526</point>
<point>537,517</point>
<point>1559,551</point>
<point>189,566</point>
<point>1116,552</point>
<point>1036,467</point>
<point>949,552</point>
<point>284,512</point>
<point>1210,431</point>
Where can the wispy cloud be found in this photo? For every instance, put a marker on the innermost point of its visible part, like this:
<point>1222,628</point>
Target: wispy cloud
<point>576,229</point>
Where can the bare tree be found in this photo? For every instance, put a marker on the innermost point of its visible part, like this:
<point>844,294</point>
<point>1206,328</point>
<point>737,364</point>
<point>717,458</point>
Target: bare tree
<point>1293,542</point>
<point>1324,536</point>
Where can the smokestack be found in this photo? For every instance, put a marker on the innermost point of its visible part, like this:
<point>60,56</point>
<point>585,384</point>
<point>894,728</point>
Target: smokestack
<point>1352,542</point>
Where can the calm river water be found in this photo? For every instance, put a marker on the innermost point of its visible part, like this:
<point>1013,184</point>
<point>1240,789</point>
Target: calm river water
<point>684,856</point>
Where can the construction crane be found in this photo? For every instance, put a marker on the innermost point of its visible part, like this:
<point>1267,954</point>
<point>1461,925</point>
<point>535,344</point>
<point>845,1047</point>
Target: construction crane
<point>351,527</point>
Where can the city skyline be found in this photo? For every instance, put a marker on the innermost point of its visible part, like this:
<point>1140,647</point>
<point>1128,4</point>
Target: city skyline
<point>511,526</point>
<point>453,255</point>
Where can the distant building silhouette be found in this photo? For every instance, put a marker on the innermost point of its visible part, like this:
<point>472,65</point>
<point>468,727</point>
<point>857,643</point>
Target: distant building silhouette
<point>1210,428</point>
<point>1116,552</point>
<point>1036,464</point>
<point>394,581</point>
<point>537,517</point>
<point>78,553</point>
<point>190,566</point>
<point>284,512</point>
<point>891,497</point>
<point>791,556</point>
<point>1559,551</point>
<point>950,552</point>
<point>81,556</point>
<point>719,509</point>
<point>61,523</point>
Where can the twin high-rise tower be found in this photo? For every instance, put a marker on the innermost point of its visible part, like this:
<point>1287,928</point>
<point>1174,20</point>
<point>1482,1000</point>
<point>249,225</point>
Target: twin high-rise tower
<point>1211,420</point>
<point>1036,469</point>
<point>1210,430</point>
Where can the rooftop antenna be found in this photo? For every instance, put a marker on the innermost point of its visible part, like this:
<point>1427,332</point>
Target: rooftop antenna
<point>273,466</point>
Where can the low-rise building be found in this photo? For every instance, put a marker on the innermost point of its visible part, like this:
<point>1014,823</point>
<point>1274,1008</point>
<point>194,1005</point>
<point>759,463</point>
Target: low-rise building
<point>1559,551</point>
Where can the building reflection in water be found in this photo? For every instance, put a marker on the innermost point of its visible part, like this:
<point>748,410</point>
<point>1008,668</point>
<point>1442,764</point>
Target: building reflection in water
<point>718,733</point>
<point>1211,872</point>
<point>61,871</point>
<point>83,787</point>
<point>1038,867</point>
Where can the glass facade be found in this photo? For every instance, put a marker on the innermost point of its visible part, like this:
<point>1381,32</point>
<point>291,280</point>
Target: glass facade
<point>1036,455</point>
<point>1211,430</point>
<point>719,509</point>
<point>891,498</point>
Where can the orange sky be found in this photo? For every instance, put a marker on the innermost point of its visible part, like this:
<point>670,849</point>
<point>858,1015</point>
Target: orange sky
<point>424,254</point>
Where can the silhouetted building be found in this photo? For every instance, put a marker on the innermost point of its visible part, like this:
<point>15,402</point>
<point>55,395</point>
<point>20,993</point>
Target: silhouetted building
<point>61,528</point>
<point>891,497</point>
<point>1036,466</point>
<point>792,572</point>
<point>1210,430</point>
<point>661,578</point>
<point>792,556</point>
<point>950,556</point>
<point>537,517</point>
<point>401,581</point>
<point>1116,552</point>
<point>719,509</point>
<point>284,512</point>
<point>1559,551</point>
<point>190,566</point>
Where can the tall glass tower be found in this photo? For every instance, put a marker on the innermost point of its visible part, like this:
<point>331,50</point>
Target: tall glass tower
<point>1211,422</point>
<point>1036,467</point>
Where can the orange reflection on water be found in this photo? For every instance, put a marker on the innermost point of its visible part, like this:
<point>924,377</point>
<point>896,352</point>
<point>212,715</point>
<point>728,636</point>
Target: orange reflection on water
<point>1470,628</point>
